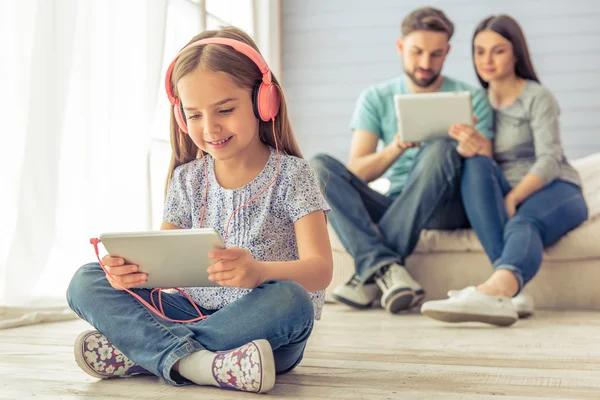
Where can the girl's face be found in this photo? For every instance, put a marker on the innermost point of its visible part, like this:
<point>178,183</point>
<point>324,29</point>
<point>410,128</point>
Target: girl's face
<point>219,114</point>
<point>494,56</point>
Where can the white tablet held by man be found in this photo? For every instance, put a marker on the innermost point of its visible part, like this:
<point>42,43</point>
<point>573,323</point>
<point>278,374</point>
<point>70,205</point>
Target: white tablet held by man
<point>171,258</point>
<point>426,116</point>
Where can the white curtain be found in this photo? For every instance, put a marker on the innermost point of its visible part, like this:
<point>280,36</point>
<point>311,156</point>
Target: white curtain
<point>80,83</point>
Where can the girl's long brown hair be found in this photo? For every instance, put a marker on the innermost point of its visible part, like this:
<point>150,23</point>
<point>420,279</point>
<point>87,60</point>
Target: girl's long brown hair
<point>243,71</point>
<point>509,29</point>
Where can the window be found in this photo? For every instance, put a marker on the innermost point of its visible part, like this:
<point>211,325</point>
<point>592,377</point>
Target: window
<point>230,12</point>
<point>185,19</point>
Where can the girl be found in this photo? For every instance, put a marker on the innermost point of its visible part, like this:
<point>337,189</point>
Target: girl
<point>229,117</point>
<point>530,196</point>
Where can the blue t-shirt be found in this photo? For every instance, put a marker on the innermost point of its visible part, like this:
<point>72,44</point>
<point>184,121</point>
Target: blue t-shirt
<point>375,112</point>
<point>265,227</point>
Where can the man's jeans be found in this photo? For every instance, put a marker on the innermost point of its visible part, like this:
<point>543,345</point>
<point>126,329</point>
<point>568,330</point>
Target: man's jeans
<point>280,312</point>
<point>378,230</point>
<point>517,244</point>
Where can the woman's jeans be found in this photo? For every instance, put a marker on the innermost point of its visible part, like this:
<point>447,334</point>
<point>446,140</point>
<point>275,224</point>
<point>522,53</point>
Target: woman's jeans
<point>278,311</point>
<point>517,244</point>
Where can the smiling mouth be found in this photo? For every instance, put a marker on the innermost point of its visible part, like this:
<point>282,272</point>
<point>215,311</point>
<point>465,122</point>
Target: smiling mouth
<point>220,141</point>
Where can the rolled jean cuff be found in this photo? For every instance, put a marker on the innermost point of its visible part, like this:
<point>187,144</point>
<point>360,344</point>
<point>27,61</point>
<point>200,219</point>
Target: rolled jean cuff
<point>366,276</point>
<point>516,272</point>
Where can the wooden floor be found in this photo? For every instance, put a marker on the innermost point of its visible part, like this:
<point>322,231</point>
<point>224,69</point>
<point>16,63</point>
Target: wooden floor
<point>353,355</point>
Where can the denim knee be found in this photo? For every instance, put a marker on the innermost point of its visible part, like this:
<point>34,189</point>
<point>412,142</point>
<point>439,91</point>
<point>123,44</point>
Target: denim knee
<point>478,164</point>
<point>325,164</point>
<point>438,158</point>
<point>291,300</point>
<point>82,283</point>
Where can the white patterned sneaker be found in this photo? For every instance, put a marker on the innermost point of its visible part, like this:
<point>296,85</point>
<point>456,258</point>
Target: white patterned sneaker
<point>470,305</point>
<point>249,368</point>
<point>99,358</point>
<point>523,303</point>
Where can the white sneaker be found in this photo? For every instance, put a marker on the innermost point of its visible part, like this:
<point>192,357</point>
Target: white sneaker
<point>400,290</point>
<point>355,294</point>
<point>523,303</point>
<point>469,305</point>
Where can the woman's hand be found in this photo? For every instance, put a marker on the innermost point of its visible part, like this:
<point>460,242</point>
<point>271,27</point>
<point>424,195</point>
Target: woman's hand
<point>235,267</point>
<point>470,140</point>
<point>510,203</point>
<point>124,276</point>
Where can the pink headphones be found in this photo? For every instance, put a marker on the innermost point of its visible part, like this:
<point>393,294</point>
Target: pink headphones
<point>265,95</point>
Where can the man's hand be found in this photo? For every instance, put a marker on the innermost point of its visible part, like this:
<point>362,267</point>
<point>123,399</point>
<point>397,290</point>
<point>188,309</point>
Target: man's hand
<point>235,267</point>
<point>402,146</point>
<point>470,141</point>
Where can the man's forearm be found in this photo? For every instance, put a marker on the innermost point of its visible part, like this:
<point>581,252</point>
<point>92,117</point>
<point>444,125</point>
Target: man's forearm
<point>374,165</point>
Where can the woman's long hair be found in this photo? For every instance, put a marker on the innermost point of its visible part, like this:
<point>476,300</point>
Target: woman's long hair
<point>509,29</point>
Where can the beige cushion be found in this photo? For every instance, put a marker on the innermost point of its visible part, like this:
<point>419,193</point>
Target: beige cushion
<point>581,243</point>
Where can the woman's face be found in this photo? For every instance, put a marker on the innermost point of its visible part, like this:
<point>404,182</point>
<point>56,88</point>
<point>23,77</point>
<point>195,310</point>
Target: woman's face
<point>494,57</point>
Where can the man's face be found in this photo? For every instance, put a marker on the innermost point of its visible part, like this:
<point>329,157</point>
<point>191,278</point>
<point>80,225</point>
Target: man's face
<point>423,54</point>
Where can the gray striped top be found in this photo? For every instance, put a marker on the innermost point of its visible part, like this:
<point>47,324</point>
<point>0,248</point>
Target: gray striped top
<point>528,138</point>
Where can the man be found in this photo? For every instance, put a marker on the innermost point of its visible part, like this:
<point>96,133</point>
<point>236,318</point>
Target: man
<point>381,231</point>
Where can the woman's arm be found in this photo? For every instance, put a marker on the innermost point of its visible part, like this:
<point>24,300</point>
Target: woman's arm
<point>548,149</point>
<point>314,269</point>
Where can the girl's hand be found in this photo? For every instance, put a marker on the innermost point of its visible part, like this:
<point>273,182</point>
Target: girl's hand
<point>470,140</point>
<point>235,267</point>
<point>124,276</point>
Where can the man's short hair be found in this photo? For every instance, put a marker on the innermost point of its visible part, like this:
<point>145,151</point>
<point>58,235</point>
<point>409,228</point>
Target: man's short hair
<point>427,19</point>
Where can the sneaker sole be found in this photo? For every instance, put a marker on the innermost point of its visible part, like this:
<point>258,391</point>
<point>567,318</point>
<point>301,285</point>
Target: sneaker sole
<point>350,303</point>
<point>464,317</point>
<point>399,301</point>
<point>525,314</point>
<point>80,357</point>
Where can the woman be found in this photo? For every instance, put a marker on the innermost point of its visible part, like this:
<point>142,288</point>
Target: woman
<point>525,199</point>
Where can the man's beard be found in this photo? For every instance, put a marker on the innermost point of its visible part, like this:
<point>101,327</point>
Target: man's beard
<point>422,83</point>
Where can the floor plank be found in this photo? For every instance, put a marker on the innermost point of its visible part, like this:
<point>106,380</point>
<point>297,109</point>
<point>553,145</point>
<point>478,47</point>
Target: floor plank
<point>353,355</point>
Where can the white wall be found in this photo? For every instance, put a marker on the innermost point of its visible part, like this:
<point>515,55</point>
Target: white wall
<point>332,49</point>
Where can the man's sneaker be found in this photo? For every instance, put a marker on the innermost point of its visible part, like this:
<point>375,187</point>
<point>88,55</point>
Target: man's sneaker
<point>98,357</point>
<point>470,305</point>
<point>523,303</point>
<point>354,294</point>
<point>400,290</point>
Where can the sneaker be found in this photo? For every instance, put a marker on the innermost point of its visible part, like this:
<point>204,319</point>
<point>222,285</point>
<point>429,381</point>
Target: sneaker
<point>400,290</point>
<point>99,358</point>
<point>249,368</point>
<point>523,303</point>
<point>470,305</point>
<point>354,294</point>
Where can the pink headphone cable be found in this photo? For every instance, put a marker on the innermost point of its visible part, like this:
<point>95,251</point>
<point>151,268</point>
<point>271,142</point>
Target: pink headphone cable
<point>94,242</point>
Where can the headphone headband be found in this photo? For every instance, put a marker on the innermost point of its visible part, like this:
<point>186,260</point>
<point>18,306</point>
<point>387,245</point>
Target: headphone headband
<point>240,47</point>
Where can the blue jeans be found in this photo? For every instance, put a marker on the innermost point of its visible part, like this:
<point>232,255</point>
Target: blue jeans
<point>278,311</point>
<point>379,230</point>
<point>517,244</point>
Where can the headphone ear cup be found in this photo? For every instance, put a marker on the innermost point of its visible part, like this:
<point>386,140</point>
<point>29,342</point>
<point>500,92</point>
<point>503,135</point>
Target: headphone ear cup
<point>180,117</point>
<point>266,101</point>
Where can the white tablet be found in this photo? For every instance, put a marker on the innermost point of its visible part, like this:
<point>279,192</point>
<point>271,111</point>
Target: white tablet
<point>171,258</point>
<point>425,116</point>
